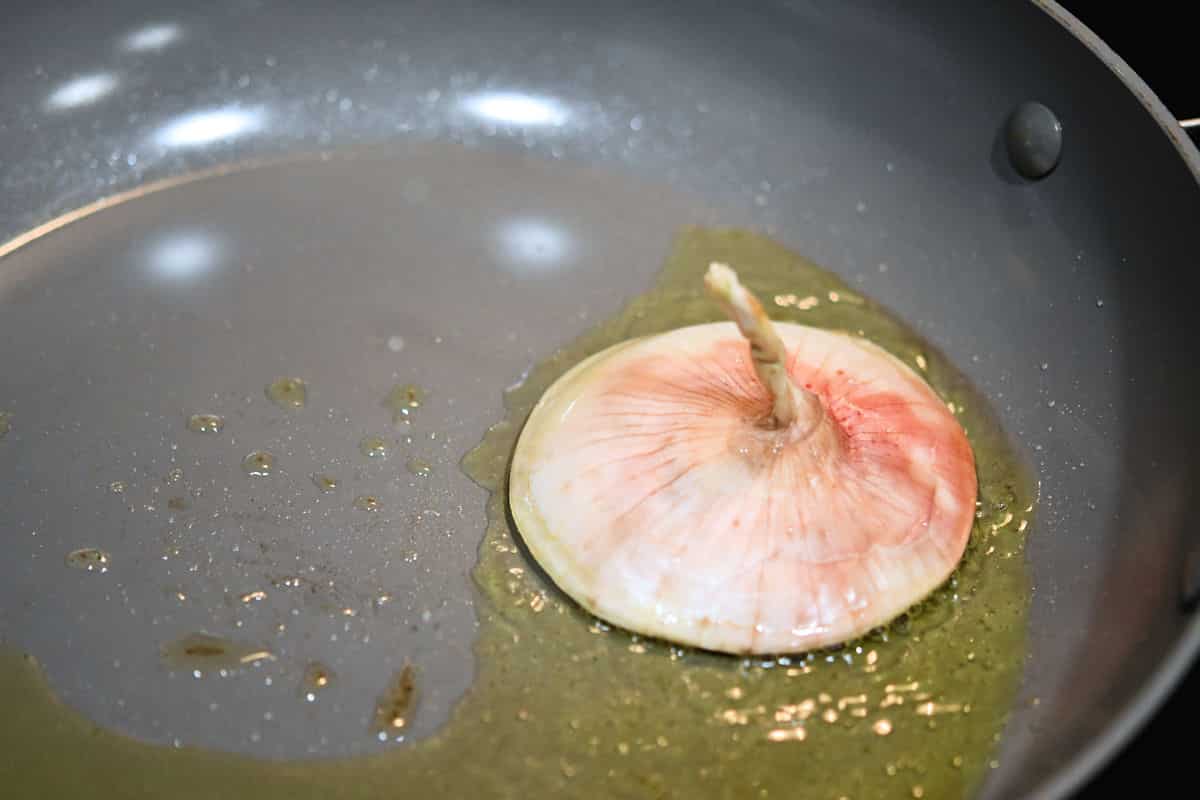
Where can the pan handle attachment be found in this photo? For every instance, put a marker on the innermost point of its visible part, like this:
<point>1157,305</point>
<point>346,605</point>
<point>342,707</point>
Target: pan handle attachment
<point>1191,127</point>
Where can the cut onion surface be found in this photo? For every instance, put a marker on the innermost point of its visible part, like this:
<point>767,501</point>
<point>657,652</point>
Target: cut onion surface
<point>746,487</point>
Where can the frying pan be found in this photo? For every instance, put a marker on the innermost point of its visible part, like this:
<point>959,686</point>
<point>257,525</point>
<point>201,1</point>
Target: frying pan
<point>862,134</point>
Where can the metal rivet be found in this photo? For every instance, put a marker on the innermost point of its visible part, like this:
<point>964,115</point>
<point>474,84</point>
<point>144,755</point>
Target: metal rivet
<point>1034,139</point>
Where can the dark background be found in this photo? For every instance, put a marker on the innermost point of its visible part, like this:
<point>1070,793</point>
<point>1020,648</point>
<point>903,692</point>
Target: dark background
<point>1154,38</point>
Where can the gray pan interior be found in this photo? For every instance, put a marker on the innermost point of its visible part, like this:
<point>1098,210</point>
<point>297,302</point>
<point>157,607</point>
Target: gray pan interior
<point>863,134</point>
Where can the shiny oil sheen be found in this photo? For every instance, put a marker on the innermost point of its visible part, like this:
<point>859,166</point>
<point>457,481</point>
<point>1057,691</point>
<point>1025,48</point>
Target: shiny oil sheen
<point>563,704</point>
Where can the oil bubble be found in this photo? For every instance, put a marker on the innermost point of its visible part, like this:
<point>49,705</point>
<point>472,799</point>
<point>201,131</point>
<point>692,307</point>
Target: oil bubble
<point>259,464</point>
<point>288,392</point>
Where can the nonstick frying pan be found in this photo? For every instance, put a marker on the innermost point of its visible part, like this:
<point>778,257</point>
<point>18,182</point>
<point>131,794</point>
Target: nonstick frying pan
<point>868,135</point>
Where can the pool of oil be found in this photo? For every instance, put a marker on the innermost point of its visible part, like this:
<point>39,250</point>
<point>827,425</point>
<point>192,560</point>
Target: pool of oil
<point>562,705</point>
<point>911,710</point>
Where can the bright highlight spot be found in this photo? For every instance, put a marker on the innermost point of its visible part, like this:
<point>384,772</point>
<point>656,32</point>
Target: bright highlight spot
<point>532,246</point>
<point>205,127</point>
<point>151,37</point>
<point>516,108</point>
<point>184,255</point>
<point>82,91</point>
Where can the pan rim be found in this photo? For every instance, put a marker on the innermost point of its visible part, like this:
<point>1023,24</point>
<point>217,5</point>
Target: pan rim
<point>1121,69</point>
<point>1149,698</point>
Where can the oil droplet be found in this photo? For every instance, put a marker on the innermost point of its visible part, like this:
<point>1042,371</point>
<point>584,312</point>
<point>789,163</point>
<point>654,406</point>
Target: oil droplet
<point>259,464</point>
<point>198,651</point>
<point>394,705</point>
<point>851,700</point>
<point>930,708</point>
<point>288,392</point>
<point>374,447</point>
<point>5,425</point>
<point>205,423</point>
<point>326,483</point>
<point>902,687</point>
<point>367,502</point>
<point>90,559</point>
<point>253,597</point>
<point>316,677</point>
<point>175,475</point>
<point>420,467</point>
<point>118,487</point>
<point>801,303</point>
<point>787,735</point>
<point>882,727</point>
<point>402,400</point>
<point>731,716</point>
